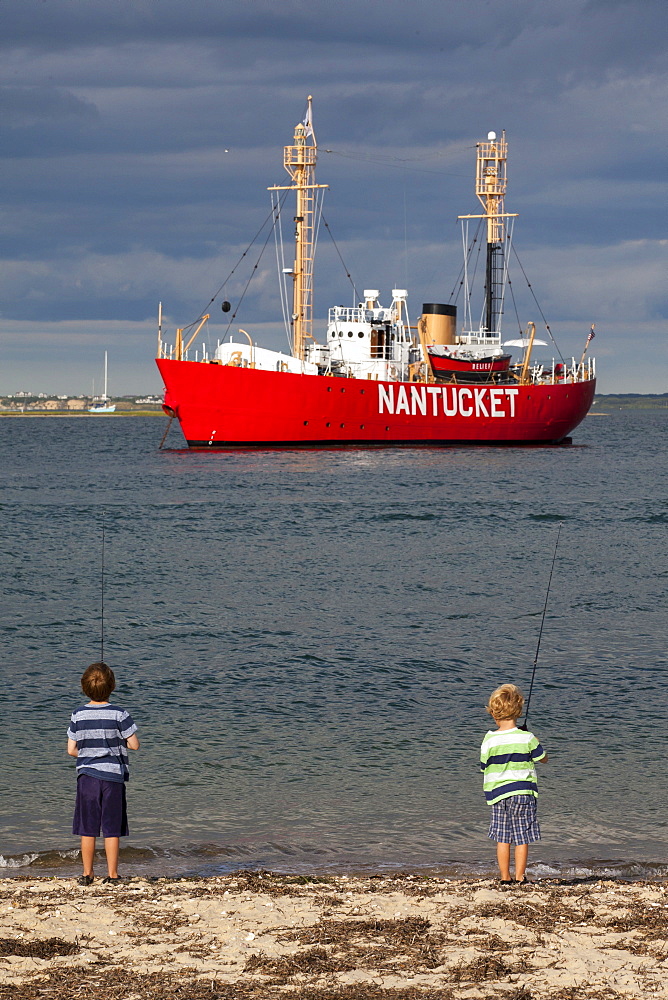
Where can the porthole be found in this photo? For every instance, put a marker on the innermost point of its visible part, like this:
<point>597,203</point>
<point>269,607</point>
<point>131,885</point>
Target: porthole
<point>343,390</point>
<point>340,333</point>
<point>362,391</point>
<point>306,423</point>
<point>342,425</point>
<point>328,424</point>
<point>350,333</point>
<point>329,388</point>
<point>361,333</point>
<point>361,427</point>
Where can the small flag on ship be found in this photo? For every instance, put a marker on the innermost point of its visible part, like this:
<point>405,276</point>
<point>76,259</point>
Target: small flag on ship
<point>590,337</point>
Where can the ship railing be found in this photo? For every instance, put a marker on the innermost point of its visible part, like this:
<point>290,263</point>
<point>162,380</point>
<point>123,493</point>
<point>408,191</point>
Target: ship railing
<point>563,371</point>
<point>168,353</point>
<point>349,314</point>
<point>480,338</point>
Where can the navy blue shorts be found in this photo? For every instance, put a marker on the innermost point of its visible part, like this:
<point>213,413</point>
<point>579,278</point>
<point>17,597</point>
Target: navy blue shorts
<point>515,820</point>
<point>100,805</point>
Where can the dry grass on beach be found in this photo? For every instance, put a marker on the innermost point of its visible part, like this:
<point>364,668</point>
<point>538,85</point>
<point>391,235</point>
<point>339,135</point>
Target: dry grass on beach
<point>267,937</point>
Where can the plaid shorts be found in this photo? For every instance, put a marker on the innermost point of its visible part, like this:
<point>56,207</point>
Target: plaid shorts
<point>515,820</point>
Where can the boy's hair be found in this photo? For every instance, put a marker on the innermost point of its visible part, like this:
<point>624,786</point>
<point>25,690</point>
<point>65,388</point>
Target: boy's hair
<point>506,702</point>
<point>98,681</point>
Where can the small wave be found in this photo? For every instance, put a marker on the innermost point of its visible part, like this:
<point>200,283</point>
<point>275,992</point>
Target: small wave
<point>17,861</point>
<point>404,516</point>
<point>206,859</point>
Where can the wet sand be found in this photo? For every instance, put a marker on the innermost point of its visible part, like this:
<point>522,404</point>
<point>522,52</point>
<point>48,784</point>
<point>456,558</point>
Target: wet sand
<point>255,935</point>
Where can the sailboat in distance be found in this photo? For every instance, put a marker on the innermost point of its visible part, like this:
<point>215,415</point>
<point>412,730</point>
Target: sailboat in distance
<point>375,379</point>
<point>103,405</point>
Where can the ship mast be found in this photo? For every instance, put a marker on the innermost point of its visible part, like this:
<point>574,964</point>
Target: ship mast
<point>299,160</point>
<point>490,188</point>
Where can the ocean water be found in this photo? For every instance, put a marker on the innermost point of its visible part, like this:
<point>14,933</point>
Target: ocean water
<point>307,640</point>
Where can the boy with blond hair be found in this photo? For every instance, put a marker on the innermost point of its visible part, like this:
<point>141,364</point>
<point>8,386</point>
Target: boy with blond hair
<point>99,736</point>
<point>507,758</point>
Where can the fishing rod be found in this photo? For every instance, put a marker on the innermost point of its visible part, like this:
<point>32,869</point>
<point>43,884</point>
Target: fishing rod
<point>102,596</point>
<point>542,623</point>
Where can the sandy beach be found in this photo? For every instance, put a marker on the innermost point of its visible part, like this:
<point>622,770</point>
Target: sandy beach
<point>256,935</point>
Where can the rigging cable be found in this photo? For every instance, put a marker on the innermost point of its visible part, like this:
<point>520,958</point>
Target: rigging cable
<point>343,263</point>
<point>280,263</point>
<point>241,258</point>
<point>459,280</point>
<point>251,276</point>
<point>547,325</point>
<point>517,315</point>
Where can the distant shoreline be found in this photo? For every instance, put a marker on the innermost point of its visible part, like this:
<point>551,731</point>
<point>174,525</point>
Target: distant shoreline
<point>80,413</point>
<point>611,401</point>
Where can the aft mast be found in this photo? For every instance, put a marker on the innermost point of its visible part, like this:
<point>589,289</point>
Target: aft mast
<point>299,160</point>
<point>491,185</point>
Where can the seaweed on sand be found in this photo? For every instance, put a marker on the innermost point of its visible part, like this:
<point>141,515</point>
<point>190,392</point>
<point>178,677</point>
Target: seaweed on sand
<point>37,947</point>
<point>116,984</point>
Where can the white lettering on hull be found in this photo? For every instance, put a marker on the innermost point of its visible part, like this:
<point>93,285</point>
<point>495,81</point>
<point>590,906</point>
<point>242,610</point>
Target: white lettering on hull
<point>402,401</point>
<point>385,398</point>
<point>449,400</point>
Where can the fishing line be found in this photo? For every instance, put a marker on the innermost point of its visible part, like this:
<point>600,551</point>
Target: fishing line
<point>542,623</point>
<point>102,596</point>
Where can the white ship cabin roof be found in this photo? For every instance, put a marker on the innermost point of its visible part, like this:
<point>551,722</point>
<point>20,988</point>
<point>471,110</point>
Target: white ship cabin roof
<point>358,332</point>
<point>250,356</point>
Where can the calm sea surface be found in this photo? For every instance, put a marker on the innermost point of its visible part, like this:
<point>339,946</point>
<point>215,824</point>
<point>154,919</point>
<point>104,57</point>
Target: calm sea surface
<point>307,640</point>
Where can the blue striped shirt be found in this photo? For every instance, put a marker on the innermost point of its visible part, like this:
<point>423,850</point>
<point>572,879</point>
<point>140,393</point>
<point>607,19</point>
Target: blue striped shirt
<point>100,733</point>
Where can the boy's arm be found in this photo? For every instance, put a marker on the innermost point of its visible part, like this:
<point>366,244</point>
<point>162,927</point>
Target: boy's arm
<point>72,748</point>
<point>132,742</point>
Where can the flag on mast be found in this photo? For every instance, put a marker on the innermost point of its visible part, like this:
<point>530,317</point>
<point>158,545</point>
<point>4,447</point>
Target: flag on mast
<point>307,123</point>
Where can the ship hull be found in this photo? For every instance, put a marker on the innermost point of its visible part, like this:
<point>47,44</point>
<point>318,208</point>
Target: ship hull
<point>221,406</point>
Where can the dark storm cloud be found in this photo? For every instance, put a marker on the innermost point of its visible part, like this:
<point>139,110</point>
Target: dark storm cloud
<point>139,135</point>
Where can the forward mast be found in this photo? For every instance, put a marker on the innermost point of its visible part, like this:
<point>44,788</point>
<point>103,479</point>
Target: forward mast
<point>299,159</point>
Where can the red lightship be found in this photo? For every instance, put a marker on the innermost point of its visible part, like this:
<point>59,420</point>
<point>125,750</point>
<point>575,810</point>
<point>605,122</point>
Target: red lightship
<point>377,381</point>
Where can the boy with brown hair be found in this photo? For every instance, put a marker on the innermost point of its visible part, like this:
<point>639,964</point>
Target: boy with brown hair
<point>99,736</point>
<point>507,758</point>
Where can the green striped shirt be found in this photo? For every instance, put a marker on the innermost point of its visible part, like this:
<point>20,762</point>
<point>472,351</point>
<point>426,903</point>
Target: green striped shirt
<point>507,759</point>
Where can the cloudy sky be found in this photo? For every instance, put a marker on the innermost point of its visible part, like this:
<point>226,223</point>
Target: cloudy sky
<point>139,136</point>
